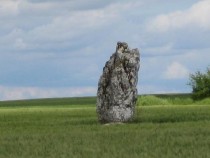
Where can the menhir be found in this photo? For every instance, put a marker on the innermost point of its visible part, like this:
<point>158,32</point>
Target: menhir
<point>117,92</point>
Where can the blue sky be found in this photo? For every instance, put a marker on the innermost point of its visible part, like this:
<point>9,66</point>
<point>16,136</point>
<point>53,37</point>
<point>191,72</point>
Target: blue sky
<point>57,48</point>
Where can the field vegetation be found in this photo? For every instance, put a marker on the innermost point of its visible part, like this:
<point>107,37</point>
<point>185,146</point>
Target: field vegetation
<point>170,99</point>
<point>165,126</point>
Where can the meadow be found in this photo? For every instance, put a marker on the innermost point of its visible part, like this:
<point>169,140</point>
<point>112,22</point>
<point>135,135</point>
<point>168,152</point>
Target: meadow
<point>165,126</point>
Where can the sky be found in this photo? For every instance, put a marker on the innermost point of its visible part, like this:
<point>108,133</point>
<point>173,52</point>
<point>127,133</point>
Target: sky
<point>58,48</point>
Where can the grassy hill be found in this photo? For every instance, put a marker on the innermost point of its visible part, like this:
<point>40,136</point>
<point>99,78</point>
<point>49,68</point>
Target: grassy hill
<point>50,102</point>
<point>68,127</point>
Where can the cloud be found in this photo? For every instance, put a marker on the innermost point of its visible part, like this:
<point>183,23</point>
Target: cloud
<point>17,93</point>
<point>19,44</point>
<point>176,71</point>
<point>76,24</point>
<point>9,8</point>
<point>46,44</point>
<point>195,17</point>
<point>57,26</point>
<point>71,5</point>
<point>155,89</point>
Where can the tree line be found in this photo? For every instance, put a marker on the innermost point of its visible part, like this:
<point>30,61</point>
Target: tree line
<point>200,83</point>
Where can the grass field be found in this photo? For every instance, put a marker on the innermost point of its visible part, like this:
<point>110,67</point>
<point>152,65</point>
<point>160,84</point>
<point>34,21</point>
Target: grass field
<point>68,127</point>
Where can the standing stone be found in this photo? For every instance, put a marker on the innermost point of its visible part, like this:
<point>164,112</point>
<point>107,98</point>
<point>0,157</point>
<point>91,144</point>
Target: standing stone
<point>117,92</point>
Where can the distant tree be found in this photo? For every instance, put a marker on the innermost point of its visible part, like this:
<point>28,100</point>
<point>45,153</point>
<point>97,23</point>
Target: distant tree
<point>200,83</point>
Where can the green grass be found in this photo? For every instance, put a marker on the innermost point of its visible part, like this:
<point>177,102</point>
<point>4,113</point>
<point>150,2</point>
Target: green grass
<point>50,102</point>
<point>72,130</point>
<point>173,99</point>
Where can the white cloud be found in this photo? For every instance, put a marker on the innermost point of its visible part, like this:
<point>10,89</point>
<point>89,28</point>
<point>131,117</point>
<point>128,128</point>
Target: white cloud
<point>16,93</point>
<point>176,71</point>
<point>19,43</point>
<point>79,23</point>
<point>9,7</point>
<point>71,25</point>
<point>196,16</point>
<point>155,89</point>
<point>159,50</point>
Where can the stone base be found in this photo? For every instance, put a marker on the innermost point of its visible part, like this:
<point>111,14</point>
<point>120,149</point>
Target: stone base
<point>116,114</point>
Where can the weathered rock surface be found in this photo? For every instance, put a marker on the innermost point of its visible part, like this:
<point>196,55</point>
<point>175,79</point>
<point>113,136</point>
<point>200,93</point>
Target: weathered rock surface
<point>117,92</point>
